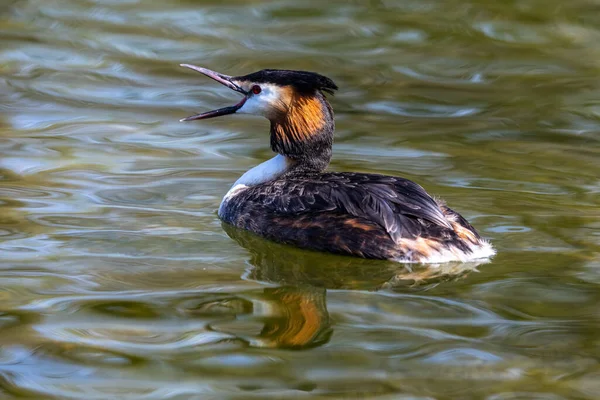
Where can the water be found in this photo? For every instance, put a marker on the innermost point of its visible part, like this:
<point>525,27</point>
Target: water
<point>118,280</point>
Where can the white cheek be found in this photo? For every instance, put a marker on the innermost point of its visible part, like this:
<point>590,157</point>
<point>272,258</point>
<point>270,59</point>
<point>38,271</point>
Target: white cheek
<point>252,106</point>
<point>259,104</point>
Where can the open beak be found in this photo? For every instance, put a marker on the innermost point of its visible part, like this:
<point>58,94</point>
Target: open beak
<point>223,80</point>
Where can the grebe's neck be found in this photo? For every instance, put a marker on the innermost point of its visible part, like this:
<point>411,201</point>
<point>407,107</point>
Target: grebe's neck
<point>302,131</point>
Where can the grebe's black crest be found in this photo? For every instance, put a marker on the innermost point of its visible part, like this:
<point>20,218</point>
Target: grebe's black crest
<point>302,81</point>
<point>290,199</point>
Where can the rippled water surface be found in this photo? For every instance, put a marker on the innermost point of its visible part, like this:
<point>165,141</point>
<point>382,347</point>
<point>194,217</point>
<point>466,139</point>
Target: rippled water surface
<point>119,282</point>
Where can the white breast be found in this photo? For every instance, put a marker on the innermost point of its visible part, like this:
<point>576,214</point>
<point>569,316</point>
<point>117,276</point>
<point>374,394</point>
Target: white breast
<point>264,172</point>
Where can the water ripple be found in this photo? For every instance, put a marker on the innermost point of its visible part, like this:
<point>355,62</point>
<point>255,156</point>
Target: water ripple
<point>119,281</point>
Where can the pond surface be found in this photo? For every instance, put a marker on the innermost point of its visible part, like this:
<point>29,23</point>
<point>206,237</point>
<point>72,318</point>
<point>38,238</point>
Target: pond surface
<point>118,281</point>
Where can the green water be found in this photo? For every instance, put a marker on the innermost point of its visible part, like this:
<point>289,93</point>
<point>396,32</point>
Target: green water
<point>118,281</point>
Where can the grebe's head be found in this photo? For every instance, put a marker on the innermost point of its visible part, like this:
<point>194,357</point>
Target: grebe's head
<point>301,118</point>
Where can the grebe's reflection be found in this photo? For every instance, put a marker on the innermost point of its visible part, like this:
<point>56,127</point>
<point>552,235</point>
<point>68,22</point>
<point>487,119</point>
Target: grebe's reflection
<point>294,315</point>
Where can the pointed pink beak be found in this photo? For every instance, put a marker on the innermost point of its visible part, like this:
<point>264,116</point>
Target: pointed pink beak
<point>225,80</point>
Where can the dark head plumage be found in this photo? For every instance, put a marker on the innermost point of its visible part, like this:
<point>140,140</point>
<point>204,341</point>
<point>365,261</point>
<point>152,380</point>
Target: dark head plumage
<point>302,81</point>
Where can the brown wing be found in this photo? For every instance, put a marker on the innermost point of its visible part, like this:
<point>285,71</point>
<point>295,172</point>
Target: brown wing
<point>398,206</point>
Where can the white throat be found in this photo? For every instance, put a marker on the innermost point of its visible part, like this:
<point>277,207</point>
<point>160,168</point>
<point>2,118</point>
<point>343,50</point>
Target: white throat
<point>264,172</point>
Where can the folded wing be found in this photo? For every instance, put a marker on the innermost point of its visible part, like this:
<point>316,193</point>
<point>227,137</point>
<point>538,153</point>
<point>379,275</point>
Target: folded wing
<point>398,205</point>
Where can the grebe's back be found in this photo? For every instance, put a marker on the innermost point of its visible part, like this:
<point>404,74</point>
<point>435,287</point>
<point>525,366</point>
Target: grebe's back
<point>291,200</point>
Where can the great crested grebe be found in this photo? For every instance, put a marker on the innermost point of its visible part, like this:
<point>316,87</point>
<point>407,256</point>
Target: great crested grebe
<point>290,199</point>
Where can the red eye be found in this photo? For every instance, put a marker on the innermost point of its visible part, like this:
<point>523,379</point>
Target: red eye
<point>256,89</point>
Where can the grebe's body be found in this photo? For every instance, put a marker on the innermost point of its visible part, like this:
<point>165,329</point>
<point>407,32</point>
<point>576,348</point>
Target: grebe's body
<point>290,199</point>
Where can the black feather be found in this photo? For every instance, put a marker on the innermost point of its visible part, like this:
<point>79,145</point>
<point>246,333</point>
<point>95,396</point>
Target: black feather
<point>303,81</point>
<point>399,206</point>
